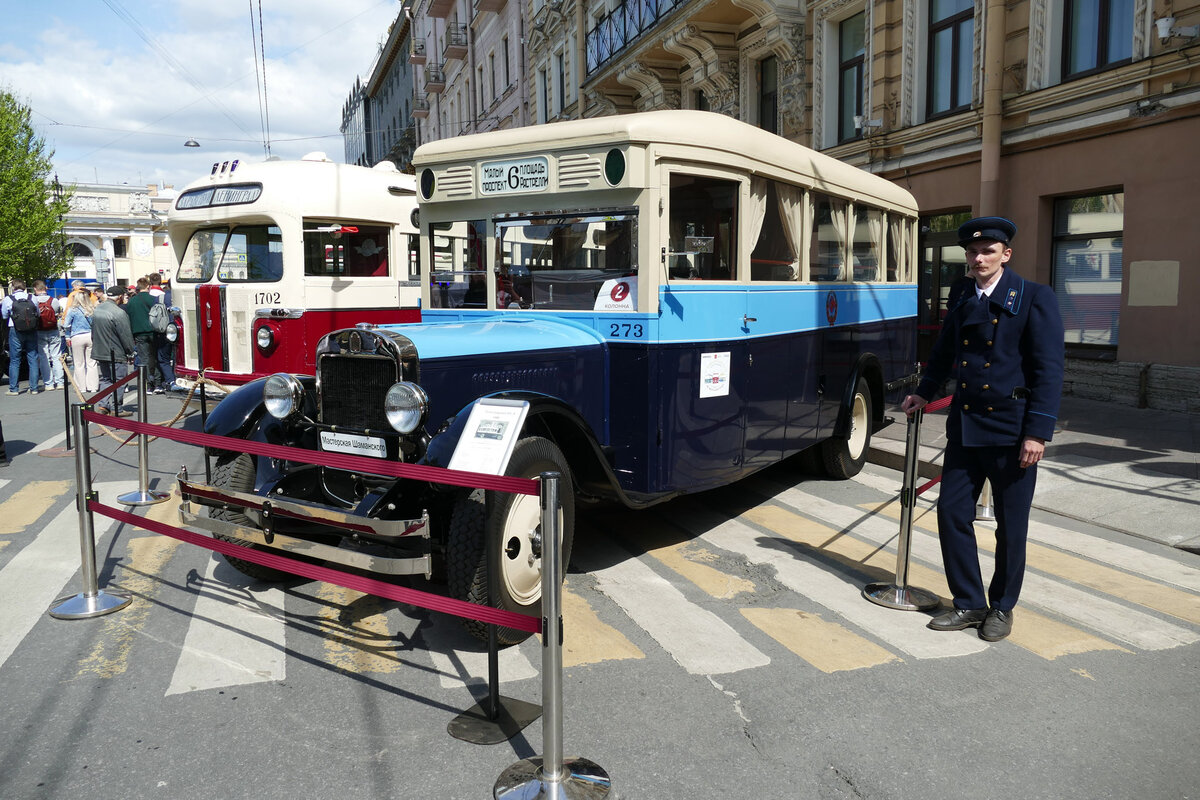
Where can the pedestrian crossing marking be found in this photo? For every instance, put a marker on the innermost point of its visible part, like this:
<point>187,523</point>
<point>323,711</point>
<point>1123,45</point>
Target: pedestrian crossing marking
<point>1111,581</point>
<point>848,549</point>
<point>589,640</point>
<point>683,555</point>
<point>828,646</point>
<point>1051,639</point>
<point>357,639</point>
<point>235,636</point>
<point>110,654</point>
<point>28,503</point>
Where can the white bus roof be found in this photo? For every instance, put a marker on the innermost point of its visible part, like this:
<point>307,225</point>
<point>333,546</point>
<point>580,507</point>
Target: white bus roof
<point>312,185</point>
<point>703,129</point>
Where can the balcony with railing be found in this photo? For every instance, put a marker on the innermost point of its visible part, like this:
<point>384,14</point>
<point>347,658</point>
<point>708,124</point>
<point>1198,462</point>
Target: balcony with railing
<point>440,9</point>
<point>493,6</point>
<point>456,42</point>
<point>435,78</point>
<point>420,107</point>
<point>623,26</point>
<point>417,54</point>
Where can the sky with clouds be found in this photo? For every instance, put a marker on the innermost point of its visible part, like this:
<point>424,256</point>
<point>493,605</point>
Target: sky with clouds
<point>117,86</point>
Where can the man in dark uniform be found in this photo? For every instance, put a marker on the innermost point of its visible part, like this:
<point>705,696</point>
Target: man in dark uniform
<point>1002,343</point>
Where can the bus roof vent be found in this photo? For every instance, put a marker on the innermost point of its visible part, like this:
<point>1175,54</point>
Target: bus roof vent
<point>315,155</point>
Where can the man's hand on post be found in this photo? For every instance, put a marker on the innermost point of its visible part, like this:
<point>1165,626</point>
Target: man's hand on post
<point>912,403</point>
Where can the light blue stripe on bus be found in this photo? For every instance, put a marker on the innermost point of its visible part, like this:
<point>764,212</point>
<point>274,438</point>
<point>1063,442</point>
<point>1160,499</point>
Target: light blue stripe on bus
<point>463,334</point>
<point>713,313</point>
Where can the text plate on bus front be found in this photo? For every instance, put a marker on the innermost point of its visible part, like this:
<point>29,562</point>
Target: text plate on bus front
<point>514,177</point>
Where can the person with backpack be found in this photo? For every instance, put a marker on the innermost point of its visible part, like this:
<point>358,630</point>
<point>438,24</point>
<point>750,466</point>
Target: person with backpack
<point>143,334</point>
<point>160,318</point>
<point>22,314</point>
<point>49,338</point>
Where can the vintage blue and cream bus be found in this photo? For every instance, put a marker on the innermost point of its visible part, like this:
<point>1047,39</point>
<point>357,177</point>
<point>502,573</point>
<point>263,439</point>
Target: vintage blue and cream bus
<point>681,299</point>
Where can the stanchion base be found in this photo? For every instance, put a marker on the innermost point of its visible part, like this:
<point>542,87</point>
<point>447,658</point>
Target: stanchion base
<point>140,498</point>
<point>984,514</point>
<point>902,598</point>
<point>581,780</point>
<point>474,725</point>
<point>81,606</point>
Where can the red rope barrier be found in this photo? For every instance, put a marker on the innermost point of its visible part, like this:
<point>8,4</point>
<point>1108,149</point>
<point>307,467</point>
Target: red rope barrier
<point>938,405</point>
<point>413,597</point>
<point>371,466</point>
<point>98,396</point>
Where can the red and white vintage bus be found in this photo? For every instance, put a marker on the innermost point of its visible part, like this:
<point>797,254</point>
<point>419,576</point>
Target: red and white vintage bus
<point>274,255</point>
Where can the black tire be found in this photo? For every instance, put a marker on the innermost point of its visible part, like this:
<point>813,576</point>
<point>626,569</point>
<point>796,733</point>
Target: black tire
<point>844,456</point>
<point>507,526</point>
<point>236,471</point>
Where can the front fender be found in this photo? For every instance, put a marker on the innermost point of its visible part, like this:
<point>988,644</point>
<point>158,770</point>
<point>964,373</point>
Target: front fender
<point>242,415</point>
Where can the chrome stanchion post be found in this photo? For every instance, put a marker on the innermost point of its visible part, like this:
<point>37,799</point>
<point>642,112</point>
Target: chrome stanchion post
<point>900,595</point>
<point>93,601</point>
<point>551,776</point>
<point>983,509</point>
<point>143,496</point>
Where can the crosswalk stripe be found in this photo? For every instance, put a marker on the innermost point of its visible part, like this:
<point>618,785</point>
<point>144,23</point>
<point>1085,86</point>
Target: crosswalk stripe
<point>35,577</point>
<point>699,641</point>
<point>457,668</point>
<point>1051,639</point>
<point>234,637</point>
<point>687,557</point>
<point>112,649</point>
<point>906,632</point>
<point>1117,583</point>
<point>357,639</point>
<point>1103,615</point>
<point>589,640</point>
<point>826,645</point>
<point>1122,556</point>
<point>28,504</point>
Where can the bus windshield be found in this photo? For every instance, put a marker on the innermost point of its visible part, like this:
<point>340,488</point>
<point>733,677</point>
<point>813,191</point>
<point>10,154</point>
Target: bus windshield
<point>247,253</point>
<point>561,262</point>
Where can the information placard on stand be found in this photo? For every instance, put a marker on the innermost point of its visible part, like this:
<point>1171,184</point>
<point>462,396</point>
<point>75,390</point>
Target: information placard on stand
<point>491,433</point>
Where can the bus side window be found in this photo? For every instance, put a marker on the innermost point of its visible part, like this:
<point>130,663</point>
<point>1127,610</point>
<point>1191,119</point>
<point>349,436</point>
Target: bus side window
<point>868,242</point>
<point>897,248</point>
<point>775,208</point>
<point>826,259</point>
<point>703,228</point>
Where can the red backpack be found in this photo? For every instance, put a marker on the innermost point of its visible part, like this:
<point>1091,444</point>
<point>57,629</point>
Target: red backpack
<point>47,318</point>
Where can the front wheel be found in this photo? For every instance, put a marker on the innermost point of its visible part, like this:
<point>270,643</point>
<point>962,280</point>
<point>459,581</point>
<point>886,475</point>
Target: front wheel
<point>509,525</point>
<point>236,471</point>
<point>844,456</point>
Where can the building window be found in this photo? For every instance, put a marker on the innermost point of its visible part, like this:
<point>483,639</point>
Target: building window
<point>951,44</point>
<point>562,82</point>
<point>852,50</point>
<point>492,72</point>
<point>768,94</point>
<point>507,74</point>
<point>120,247</point>
<point>702,101</point>
<point>1096,34</point>
<point>1088,260</point>
<point>544,79</point>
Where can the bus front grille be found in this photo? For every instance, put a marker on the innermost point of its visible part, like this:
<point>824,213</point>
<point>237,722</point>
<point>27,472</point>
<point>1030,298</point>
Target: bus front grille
<point>352,389</point>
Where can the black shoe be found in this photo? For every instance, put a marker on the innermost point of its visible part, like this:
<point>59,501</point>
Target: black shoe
<point>997,625</point>
<point>958,619</point>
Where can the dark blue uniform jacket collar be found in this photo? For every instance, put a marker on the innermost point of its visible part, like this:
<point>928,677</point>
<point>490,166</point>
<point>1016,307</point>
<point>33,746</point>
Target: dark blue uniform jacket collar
<point>1007,296</point>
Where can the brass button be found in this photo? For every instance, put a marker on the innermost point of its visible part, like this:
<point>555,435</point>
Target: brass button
<point>964,384</point>
<point>986,386</point>
<point>989,342</point>
<point>986,364</point>
<point>989,408</point>
<point>966,341</point>
<point>966,407</point>
<point>995,321</point>
<point>964,363</point>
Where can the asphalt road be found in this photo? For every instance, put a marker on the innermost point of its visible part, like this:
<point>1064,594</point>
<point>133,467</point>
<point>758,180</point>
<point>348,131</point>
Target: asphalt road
<point>715,646</point>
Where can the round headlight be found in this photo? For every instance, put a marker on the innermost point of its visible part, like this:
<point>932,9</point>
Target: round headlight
<point>405,406</point>
<point>283,395</point>
<point>172,332</point>
<point>264,338</point>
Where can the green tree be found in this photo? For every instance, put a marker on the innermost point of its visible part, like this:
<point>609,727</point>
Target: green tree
<point>31,239</point>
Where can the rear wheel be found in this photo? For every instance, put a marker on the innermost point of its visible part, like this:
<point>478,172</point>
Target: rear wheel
<point>236,472</point>
<point>844,456</point>
<point>511,528</point>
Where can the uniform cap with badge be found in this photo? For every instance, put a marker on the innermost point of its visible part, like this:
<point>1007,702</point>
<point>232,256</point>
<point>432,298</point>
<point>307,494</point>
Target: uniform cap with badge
<point>996,229</point>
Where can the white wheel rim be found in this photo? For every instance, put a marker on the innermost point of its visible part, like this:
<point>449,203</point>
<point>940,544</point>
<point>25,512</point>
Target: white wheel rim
<point>520,569</point>
<point>859,426</point>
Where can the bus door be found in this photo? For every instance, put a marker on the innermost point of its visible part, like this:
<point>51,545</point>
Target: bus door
<point>212,335</point>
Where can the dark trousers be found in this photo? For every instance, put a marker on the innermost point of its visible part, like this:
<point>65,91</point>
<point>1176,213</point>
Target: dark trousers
<point>22,342</point>
<point>147,356</point>
<point>166,359</point>
<point>110,373</point>
<point>963,473</point>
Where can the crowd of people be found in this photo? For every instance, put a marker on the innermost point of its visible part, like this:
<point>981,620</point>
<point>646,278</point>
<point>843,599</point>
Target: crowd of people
<point>105,330</point>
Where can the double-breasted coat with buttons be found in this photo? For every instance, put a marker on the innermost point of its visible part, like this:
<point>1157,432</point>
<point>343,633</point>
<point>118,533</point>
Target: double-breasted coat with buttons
<point>1006,358</point>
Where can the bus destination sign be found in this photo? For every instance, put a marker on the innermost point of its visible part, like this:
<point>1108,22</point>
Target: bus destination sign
<point>514,177</point>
